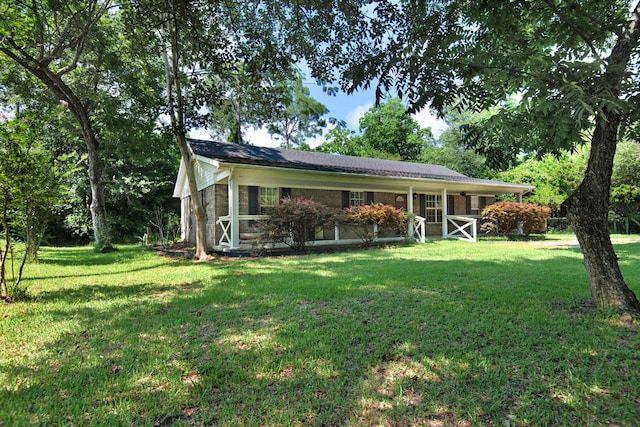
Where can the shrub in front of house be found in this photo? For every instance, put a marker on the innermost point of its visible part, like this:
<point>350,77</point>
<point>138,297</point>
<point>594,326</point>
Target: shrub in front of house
<point>502,218</point>
<point>363,218</point>
<point>294,221</point>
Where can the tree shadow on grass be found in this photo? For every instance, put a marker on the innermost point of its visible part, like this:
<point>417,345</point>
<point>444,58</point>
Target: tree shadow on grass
<point>310,342</point>
<point>95,291</point>
<point>85,256</point>
<point>91,273</point>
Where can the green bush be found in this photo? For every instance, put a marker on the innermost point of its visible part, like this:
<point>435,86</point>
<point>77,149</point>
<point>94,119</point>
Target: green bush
<point>366,216</point>
<point>293,221</point>
<point>502,218</point>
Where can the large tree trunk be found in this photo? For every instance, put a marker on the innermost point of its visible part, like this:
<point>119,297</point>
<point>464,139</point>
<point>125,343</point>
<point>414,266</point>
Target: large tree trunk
<point>588,206</point>
<point>101,234</point>
<point>175,103</point>
<point>588,209</point>
<point>55,84</point>
<point>40,66</point>
<point>198,208</point>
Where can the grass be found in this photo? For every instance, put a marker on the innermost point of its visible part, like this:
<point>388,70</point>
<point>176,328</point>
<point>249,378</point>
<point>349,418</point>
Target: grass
<point>445,333</point>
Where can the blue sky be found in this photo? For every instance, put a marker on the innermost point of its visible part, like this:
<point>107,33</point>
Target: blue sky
<point>343,107</point>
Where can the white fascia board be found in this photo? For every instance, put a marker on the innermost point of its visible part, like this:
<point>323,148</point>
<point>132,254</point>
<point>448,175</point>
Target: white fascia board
<point>268,176</point>
<point>205,171</point>
<point>179,187</point>
<point>212,162</point>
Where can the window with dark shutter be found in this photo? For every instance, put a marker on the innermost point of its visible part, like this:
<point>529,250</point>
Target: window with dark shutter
<point>345,199</point>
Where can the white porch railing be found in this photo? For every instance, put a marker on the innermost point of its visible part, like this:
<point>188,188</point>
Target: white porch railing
<point>419,229</point>
<point>225,224</point>
<point>464,228</point>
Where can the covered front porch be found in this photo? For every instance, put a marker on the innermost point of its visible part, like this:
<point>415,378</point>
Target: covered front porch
<point>434,213</point>
<point>457,227</point>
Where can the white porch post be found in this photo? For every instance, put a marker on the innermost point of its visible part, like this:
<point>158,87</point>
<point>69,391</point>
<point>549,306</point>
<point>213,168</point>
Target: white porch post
<point>410,210</point>
<point>234,207</point>
<point>520,229</point>
<point>445,209</point>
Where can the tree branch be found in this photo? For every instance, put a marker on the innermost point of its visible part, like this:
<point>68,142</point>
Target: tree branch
<point>40,29</point>
<point>564,18</point>
<point>79,40</point>
<point>550,82</point>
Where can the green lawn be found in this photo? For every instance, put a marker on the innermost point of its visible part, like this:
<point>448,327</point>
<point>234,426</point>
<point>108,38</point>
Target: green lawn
<point>445,333</point>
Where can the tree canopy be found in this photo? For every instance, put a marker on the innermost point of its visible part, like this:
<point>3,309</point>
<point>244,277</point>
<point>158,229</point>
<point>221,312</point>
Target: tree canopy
<point>297,115</point>
<point>386,131</point>
<point>552,71</point>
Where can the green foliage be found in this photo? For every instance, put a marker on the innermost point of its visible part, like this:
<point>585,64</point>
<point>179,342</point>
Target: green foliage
<point>364,217</point>
<point>388,128</point>
<point>538,70</point>
<point>109,89</point>
<point>164,230</point>
<point>342,141</point>
<point>297,115</point>
<point>29,186</point>
<point>503,218</point>
<point>451,151</point>
<point>625,180</point>
<point>387,132</point>
<point>244,99</point>
<point>294,221</point>
<point>554,178</point>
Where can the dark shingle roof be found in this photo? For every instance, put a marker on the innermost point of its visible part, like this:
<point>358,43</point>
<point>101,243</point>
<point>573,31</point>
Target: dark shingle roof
<point>308,160</point>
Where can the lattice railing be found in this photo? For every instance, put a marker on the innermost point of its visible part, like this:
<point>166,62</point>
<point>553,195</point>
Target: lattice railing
<point>464,228</point>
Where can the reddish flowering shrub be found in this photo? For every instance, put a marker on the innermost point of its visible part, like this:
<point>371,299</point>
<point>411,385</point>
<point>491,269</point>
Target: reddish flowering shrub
<point>502,218</point>
<point>293,221</point>
<point>364,217</point>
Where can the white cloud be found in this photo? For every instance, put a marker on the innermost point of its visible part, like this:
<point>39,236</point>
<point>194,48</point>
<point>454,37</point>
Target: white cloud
<point>199,133</point>
<point>353,118</point>
<point>425,119</point>
<point>260,137</point>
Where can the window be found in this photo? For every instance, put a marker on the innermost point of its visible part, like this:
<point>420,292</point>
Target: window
<point>268,196</point>
<point>357,198</point>
<point>475,203</point>
<point>433,208</point>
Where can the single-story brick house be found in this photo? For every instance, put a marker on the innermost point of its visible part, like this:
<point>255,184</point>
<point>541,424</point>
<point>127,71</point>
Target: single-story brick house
<point>236,182</point>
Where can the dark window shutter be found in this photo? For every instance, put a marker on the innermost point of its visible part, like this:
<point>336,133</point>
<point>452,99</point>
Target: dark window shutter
<point>369,196</point>
<point>285,192</point>
<point>345,199</point>
<point>468,199</point>
<point>451,205</point>
<point>254,203</point>
<point>423,205</point>
<point>483,203</point>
